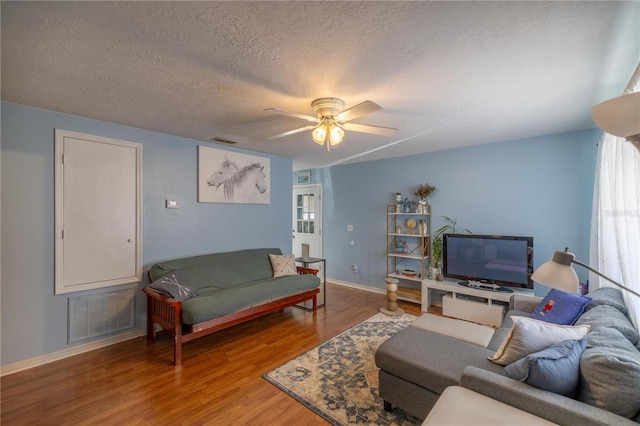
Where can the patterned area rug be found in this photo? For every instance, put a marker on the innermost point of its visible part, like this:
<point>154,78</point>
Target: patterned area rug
<point>339,379</point>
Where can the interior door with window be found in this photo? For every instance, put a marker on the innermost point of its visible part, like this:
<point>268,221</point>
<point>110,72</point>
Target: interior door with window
<point>307,226</point>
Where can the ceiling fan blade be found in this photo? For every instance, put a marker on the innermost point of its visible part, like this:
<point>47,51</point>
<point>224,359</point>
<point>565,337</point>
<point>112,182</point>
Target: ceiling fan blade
<point>292,114</point>
<point>359,110</point>
<point>367,128</point>
<point>290,132</point>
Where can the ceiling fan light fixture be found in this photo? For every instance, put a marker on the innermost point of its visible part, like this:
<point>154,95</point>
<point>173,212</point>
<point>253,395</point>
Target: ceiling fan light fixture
<point>319,134</point>
<point>336,134</point>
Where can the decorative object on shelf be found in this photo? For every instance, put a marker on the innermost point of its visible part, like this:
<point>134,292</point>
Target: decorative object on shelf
<point>422,228</point>
<point>409,272</point>
<point>398,197</point>
<point>424,191</point>
<point>422,207</point>
<point>408,206</point>
<point>619,117</point>
<point>559,274</point>
<point>411,225</point>
<point>392,299</point>
<point>401,247</point>
<point>398,229</point>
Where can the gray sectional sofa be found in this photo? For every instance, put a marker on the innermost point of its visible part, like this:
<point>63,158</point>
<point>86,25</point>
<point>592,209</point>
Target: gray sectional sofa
<point>416,365</point>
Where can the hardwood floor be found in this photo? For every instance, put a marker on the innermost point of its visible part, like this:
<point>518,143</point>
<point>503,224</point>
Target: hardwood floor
<point>219,383</point>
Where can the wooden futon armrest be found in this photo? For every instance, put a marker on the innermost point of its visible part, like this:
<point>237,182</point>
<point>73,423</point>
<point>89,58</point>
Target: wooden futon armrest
<point>307,271</point>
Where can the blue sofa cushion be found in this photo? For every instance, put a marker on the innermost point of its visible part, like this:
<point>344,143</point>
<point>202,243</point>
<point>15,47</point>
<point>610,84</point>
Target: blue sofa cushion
<point>555,369</point>
<point>560,307</point>
<point>174,285</point>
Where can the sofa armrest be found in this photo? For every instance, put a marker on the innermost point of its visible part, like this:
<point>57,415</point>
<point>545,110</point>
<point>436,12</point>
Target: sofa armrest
<point>548,405</point>
<point>307,271</point>
<point>521,302</point>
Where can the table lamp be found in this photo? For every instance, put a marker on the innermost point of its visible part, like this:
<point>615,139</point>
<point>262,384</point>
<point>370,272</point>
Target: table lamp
<point>559,274</point>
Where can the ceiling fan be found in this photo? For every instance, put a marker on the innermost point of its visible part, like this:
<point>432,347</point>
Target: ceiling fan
<point>332,120</point>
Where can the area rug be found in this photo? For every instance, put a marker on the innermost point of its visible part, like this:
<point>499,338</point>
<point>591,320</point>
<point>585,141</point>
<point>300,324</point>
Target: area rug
<point>339,379</point>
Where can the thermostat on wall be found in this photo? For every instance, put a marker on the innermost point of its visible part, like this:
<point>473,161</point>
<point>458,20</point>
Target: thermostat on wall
<point>172,204</point>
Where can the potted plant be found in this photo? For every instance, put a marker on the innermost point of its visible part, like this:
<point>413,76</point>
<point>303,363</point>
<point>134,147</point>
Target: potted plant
<point>436,257</point>
<point>450,226</point>
<point>424,191</point>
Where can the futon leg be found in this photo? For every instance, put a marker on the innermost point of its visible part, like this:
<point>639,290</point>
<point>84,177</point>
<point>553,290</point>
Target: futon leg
<point>151,327</point>
<point>387,406</point>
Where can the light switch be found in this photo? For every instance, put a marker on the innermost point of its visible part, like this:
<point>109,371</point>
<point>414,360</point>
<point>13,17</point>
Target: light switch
<point>349,228</point>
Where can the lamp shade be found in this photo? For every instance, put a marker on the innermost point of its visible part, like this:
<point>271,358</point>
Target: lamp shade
<point>558,273</point>
<point>619,116</point>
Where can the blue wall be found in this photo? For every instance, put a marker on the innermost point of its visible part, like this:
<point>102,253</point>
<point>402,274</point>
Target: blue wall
<point>540,187</point>
<point>34,321</point>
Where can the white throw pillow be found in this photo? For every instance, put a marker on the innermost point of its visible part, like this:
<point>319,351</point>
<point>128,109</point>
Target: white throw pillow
<point>283,265</point>
<point>529,335</point>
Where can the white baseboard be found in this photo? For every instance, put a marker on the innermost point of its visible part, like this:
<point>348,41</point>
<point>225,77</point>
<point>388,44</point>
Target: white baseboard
<point>368,288</point>
<point>66,353</point>
<point>358,286</point>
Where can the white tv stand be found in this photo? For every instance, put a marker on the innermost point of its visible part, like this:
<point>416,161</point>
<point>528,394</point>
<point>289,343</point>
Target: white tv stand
<point>469,303</point>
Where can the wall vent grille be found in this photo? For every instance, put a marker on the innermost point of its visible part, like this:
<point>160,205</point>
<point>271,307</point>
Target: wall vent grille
<point>99,314</point>
<point>223,140</point>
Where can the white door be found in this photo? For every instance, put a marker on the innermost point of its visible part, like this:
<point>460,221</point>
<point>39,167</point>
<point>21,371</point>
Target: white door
<point>98,212</point>
<point>307,226</point>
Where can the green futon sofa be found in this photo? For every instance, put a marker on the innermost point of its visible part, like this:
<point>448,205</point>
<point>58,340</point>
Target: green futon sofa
<point>230,288</point>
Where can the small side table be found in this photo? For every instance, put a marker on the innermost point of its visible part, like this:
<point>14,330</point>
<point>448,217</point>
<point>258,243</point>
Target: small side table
<point>306,261</point>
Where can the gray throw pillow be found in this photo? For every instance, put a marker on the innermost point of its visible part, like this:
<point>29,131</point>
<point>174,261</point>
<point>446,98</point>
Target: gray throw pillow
<point>555,369</point>
<point>607,296</point>
<point>610,373</point>
<point>608,316</point>
<point>174,285</point>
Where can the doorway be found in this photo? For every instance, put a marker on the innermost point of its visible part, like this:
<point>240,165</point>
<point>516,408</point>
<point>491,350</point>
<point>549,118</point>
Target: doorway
<point>307,226</point>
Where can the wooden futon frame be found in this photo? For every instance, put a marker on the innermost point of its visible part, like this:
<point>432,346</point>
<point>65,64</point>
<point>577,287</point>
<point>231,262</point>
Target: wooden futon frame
<point>167,312</point>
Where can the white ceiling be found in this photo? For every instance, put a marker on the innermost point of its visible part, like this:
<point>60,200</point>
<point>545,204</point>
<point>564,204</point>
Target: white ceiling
<point>447,74</point>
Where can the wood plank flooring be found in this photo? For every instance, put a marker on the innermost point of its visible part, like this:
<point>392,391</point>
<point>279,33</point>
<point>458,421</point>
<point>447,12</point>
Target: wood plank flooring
<point>219,383</point>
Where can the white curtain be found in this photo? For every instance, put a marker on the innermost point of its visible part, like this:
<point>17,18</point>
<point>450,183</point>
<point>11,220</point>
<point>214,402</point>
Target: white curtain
<point>615,217</point>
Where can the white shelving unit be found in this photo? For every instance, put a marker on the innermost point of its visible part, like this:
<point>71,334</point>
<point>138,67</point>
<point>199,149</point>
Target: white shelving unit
<point>408,249</point>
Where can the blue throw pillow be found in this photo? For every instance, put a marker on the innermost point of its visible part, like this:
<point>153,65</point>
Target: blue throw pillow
<point>560,307</point>
<point>555,369</point>
<point>174,285</point>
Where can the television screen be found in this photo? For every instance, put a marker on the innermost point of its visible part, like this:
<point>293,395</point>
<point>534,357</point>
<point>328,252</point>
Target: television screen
<point>493,259</point>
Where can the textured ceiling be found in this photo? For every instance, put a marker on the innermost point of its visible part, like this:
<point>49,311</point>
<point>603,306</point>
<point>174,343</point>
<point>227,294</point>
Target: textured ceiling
<point>447,74</point>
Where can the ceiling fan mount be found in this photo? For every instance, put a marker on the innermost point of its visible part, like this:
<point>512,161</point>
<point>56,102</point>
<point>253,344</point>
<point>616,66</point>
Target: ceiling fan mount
<point>327,107</point>
<point>332,120</point>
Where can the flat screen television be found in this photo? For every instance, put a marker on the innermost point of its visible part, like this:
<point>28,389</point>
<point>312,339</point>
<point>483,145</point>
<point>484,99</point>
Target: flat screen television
<point>488,259</point>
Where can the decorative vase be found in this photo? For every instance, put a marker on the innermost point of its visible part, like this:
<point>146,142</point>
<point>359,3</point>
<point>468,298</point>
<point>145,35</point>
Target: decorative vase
<point>439,271</point>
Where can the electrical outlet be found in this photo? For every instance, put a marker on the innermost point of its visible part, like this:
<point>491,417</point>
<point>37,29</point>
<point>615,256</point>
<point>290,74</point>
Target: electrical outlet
<point>354,268</point>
